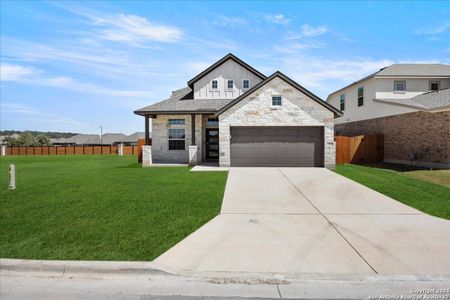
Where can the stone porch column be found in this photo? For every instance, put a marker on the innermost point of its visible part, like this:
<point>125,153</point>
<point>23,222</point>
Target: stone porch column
<point>193,148</point>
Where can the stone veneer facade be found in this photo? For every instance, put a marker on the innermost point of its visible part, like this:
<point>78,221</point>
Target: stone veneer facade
<point>160,139</point>
<point>423,133</point>
<point>297,109</point>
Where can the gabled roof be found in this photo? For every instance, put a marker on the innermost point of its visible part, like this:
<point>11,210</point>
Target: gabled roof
<point>435,100</point>
<point>280,75</point>
<point>181,101</point>
<point>406,70</point>
<point>220,62</point>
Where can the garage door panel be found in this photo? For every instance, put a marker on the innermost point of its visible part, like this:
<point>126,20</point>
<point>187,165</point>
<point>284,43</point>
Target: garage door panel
<point>277,146</point>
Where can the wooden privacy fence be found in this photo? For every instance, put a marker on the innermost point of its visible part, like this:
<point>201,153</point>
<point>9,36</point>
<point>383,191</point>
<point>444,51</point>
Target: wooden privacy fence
<point>359,149</point>
<point>71,150</point>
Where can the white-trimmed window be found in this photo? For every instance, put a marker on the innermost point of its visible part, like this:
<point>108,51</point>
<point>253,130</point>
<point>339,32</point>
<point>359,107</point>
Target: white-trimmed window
<point>177,139</point>
<point>176,121</point>
<point>245,84</point>
<point>342,102</point>
<point>400,86</point>
<point>230,84</point>
<point>214,84</point>
<point>360,96</point>
<point>435,85</point>
<point>276,100</point>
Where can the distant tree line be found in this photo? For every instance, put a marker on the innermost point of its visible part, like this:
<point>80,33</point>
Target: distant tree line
<point>27,139</point>
<point>50,134</point>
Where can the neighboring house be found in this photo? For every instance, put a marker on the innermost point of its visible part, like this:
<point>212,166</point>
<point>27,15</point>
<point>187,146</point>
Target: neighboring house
<point>3,138</point>
<point>94,139</point>
<point>409,104</point>
<point>131,140</point>
<point>233,114</point>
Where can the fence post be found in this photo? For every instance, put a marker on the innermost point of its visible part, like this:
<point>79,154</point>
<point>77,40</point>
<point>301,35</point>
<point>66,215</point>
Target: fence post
<point>120,149</point>
<point>12,177</point>
<point>3,150</point>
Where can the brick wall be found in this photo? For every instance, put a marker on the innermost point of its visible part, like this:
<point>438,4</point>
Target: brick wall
<point>424,133</point>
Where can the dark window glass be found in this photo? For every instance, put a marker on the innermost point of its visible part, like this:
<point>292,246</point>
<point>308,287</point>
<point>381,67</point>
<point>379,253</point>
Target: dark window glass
<point>245,84</point>
<point>435,85</point>
<point>214,84</point>
<point>230,84</point>
<point>213,121</point>
<point>399,86</point>
<point>342,102</point>
<point>360,96</point>
<point>276,100</point>
<point>176,121</point>
<point>177,139</point>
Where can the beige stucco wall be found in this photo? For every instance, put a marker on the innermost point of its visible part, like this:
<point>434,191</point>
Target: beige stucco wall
<point>160,138</point>
<point>297,110</point>
<point>228,70</point>
<point>379,88</point>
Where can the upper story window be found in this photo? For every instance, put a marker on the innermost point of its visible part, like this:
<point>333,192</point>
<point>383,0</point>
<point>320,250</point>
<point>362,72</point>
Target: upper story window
<point>214,84</point>
<point>360,96</point>
<point>245,84</point>
<point>230,84</point>
<point>176,121</point>
<point>400,86</point>
<point>342,102</point>
<point>213,122</point>
<point>276,100</point>
<point>435,85</point>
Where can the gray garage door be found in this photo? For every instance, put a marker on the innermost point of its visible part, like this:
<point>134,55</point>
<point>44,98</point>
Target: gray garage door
<point>277,146</point>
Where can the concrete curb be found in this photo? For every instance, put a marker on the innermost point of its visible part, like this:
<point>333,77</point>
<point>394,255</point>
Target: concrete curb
<point>67,266</point>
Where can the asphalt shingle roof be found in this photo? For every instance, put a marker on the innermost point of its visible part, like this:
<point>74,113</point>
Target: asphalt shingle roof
<point>429,101</point>
<point>415,70</point>
<point>181,101</point>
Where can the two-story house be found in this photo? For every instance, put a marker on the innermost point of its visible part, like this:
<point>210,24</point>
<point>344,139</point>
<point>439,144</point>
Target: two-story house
<point>409,104</point>
<point>234,115</point>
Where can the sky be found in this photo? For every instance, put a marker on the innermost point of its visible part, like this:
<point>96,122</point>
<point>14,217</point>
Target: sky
<point>75,66</point>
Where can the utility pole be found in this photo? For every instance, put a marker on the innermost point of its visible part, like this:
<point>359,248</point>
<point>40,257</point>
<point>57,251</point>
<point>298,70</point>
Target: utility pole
<point>101,135</point>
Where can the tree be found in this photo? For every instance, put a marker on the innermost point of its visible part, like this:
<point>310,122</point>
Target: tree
<point>10,141</point>
<point>42,140</point>
<point>25,139</point>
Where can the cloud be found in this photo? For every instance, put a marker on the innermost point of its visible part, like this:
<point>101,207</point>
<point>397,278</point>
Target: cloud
<point>277,19</point>
<point>297,46</point>
<point>308,30</point>
<point>29,75</point>
<point>134,30</point>
<point>9,72</point>
<point>231,21</point>
<point>435,30</point>
<point>34,115</point>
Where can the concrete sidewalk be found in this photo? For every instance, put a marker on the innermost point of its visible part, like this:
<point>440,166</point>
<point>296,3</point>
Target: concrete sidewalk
<point>297,221</point>
<point>79,285</point>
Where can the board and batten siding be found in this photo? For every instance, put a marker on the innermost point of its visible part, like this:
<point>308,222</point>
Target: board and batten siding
<point>228,70</point>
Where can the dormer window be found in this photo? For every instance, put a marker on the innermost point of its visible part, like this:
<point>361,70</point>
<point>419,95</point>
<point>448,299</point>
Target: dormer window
<point>230,84</point>
<point>214,85</point>
<point>276,100</point>
<point>245,84</point>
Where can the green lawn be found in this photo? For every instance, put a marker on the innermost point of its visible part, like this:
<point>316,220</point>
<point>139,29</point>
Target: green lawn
<point>431,198</point>
<point>101,207</point>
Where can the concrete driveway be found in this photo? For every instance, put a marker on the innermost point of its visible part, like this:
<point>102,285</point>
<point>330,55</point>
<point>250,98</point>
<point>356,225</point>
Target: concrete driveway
<point>296,221</point>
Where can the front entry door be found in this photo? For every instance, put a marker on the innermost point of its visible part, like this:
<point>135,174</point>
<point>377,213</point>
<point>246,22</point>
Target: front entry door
<point>212,143</point>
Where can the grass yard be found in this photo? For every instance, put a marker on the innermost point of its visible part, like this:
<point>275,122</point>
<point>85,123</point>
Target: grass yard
<point>101,207</point>
<point>431,198</point>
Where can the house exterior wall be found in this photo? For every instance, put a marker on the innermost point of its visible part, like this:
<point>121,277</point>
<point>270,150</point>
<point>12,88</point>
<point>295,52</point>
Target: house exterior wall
<point>297,110</point>
<point>160,139</point>
<point>379,88</point>
<point>423,133</point>
<point>228,70</point>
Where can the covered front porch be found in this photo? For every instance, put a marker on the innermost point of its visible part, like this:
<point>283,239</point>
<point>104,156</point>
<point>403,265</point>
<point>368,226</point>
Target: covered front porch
<point>181,139</point>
